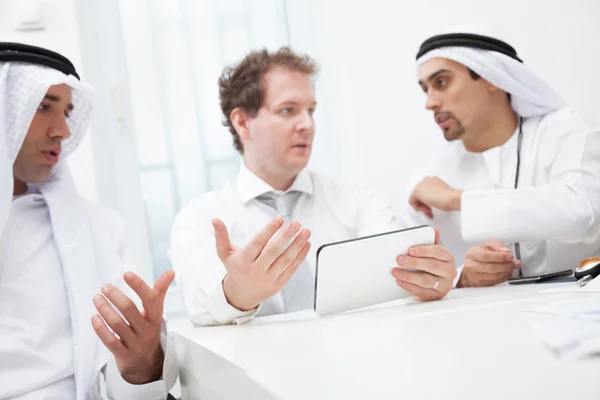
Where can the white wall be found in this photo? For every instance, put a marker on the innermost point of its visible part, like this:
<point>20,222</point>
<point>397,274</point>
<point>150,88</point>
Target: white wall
<point>60,35</point>
<point>372,126</point>
<point>375,128</point>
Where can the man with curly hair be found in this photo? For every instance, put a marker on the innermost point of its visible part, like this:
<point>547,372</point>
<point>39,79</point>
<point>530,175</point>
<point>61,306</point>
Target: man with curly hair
<point>275,204</point>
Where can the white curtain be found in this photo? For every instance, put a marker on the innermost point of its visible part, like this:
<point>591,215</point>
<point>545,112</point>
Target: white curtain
<point>176,50</point>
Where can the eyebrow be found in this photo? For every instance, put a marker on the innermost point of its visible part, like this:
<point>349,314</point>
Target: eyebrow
<point>430,77</point>
<point>57,99</point>
<point>294,103</point>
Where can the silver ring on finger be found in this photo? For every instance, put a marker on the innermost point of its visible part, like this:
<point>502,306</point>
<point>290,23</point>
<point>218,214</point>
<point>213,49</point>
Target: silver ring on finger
<point>437,282</point>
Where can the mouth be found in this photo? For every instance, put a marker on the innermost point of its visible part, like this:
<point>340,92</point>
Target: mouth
<point>52,156</point>
<point>443,120</point>
<point>301,146</point>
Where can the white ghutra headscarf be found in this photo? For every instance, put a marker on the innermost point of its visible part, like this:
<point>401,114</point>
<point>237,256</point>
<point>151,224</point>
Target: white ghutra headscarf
<point>22,89</point>
<point>531,96</point>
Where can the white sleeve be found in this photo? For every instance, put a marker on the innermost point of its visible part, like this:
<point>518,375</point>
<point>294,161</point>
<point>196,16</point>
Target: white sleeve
<point>566,208</point>
<point>199,271</point>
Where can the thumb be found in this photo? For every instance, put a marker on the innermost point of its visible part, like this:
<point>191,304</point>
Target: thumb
<point>222,239</point>
<point>162,285</point>
<point>437,235</point>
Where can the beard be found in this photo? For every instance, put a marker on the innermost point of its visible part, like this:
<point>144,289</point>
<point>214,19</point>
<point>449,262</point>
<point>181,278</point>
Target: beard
<point>455,131</point>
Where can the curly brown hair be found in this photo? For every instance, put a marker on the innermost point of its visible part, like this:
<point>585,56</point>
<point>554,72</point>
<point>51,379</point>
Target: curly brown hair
<point>241,85</point>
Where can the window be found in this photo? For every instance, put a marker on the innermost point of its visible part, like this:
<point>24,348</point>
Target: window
<point>176,50</point>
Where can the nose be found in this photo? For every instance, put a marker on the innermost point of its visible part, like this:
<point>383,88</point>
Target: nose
<point>433,102</point>
<point>60,128</point>
<point>306,122</point>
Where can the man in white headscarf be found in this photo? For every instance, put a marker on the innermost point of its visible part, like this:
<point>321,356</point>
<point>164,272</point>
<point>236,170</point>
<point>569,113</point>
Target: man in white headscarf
<point>59,337</point>
<point>521,171</point>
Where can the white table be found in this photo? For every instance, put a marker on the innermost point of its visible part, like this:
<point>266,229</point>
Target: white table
<point>475,344</point>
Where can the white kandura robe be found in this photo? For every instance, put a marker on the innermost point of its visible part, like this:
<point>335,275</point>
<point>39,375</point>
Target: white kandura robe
<point>554,213</point>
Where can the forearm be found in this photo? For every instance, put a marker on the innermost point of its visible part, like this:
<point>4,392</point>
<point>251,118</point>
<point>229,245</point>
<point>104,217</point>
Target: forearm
<point>532,214</point>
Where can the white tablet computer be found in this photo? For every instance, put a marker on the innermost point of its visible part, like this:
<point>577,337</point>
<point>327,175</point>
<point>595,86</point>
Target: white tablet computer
<point>358,273</point>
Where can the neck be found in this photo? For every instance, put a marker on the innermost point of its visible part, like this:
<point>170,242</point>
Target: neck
<point>277,181</point>
<point>19,188</point>
<point>497,130</point>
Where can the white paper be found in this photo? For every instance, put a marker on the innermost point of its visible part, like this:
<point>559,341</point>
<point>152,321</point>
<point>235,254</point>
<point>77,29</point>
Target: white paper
<point>574,332</point>
<point>569,338</point>
<point>576,309</point>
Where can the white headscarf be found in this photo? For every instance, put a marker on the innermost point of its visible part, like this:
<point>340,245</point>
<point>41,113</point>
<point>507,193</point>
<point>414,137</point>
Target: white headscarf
<point>530,95</point>
<point>22,89</point>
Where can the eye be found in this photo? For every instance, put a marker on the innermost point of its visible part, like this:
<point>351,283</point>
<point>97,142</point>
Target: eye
<point>441,82</point>
<point>311,111</point>
<point>424,89</point>
<point>67,114</point>
<point>286,111</point>
<point>43,107</point>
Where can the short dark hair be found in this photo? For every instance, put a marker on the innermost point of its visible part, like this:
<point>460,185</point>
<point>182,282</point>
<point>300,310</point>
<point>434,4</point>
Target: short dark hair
<point>241,85</point>
<point>474,75</point>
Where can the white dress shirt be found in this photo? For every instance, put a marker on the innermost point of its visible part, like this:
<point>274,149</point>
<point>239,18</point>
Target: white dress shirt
<point>554,213</point>
<point>331,211</point>
<point>37,351</point>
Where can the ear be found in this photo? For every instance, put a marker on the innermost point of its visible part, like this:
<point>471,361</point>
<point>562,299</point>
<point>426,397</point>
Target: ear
<point>492,88</point>
<point>240,120</point>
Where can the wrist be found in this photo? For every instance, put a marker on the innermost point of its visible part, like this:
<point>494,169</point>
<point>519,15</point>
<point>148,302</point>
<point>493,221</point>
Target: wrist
<point>455,200</point>
<point>462,281</point>
<point>151,372</point>
<point>234,296</point>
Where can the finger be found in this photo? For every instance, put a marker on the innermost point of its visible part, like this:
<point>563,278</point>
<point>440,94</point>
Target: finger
<point>435,251</point>
<point>436,267</point>
<point>490,268</point>
<point>437,236</point>
<point>276,246</point>
<point>153,313</point>
<point>494,244</point>
<point>483,255</point>
<point>256,246</point>
<point>500,276</point>
<point>419,206</point>
<point>161,286</point>
<point>425,210</point>
<point>494,279</point>
<point>287,274</point>
<point>112,343</point>
<point>419,292</point>
<point>125,306</point>
<point>422,279</point>
<point>224,247</point>
<point>114,320</point>
<point>291,253</point>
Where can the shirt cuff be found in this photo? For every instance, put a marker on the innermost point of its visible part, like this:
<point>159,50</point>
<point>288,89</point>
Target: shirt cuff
<point>458,274</point>
<point>225,313</point>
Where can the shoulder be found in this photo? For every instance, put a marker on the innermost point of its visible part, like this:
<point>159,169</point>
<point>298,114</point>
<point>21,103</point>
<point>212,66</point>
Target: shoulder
<point>566,121</point>
<point>207,206</point>
<point>340,191</point>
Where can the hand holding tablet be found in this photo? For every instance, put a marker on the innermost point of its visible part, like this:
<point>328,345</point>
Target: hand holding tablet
<point>380,268</point>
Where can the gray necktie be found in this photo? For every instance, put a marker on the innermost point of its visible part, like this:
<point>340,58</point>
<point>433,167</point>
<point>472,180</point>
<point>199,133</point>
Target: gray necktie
<point>298,294</point>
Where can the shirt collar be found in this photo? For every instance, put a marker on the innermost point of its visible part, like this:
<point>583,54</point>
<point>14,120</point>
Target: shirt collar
<point>251,186</point>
